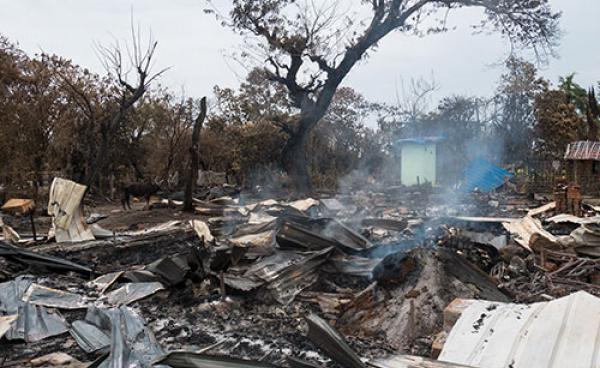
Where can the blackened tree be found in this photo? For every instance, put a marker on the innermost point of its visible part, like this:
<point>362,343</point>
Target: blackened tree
<point>311,48</point>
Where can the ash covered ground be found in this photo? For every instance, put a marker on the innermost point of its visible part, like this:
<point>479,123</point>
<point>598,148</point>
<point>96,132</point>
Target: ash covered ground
<point>386,297</point>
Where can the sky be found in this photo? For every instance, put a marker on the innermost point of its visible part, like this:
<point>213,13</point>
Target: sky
<point>196,47</point>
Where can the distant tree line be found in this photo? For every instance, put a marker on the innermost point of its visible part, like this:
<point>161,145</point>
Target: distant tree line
<point>103,131</point>
<point>292,113</point>
<point>527,119</point>
<point>309,48</point>
<point>59,117</point>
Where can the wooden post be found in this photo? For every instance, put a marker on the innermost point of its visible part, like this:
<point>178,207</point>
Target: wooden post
<point>411,321</point>
<point>222,285</point>
<point>32,224</point>
<point>543,257</point>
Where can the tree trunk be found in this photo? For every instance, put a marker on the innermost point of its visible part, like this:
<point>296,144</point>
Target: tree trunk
<point>294,153</point>
<point>37,179</point>
<point>99,161</point>
<point>167,171</point>
<point>295,163</point>
<point>192,177</point>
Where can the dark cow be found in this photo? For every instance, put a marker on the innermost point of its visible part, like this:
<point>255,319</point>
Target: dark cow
<point>138,190</point>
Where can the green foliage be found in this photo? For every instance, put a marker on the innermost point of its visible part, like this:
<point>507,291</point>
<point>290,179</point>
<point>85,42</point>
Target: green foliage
<point>563,115</point>
<point>515,101</point>
<point>558,123</point>
<point>575,94</point>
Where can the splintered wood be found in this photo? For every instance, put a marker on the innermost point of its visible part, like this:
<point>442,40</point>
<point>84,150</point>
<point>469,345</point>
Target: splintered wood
<point>562,273</point>
<point>529,233</point>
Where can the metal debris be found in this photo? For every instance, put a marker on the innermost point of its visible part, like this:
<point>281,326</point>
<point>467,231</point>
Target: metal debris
<point>184,359</point>
<point>6,323</point>
<point>33,322</point>
<point>313,234</point>
<point>64,207</point>
<point>330,341</point>
<point>409,361</point>
<point>484,176</point>
<point>559,333</point>
<point>289,273</point>
<point>40,260</point>
<point>104,282</point>
<point>53,298</point>
<point>174,269</point>
<point>131,292</point>
<point>132,344</point>
<point>88,336</point>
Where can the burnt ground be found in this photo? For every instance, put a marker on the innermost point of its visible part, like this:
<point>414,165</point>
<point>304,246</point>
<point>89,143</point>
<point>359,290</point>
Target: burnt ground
<point>193,315</point>
<point>118,219</point>
<point>137,218</point>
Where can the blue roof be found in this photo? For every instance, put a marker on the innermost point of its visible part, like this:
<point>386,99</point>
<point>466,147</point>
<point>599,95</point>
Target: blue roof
<point>484,176</point>
<point>420,140</point>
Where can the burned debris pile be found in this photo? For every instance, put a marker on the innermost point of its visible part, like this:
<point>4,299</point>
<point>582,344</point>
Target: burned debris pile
<point>264,282</point>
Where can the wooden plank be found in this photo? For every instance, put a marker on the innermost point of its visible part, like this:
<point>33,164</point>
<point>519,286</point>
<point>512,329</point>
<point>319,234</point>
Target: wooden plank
<point>545,208</point>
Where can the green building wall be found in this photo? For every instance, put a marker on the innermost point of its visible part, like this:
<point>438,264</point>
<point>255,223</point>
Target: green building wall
<point>418,163</point>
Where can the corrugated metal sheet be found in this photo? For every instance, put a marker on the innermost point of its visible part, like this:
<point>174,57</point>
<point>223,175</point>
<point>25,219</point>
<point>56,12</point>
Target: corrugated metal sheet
<point>561,333</point>
<point>6,323</point>
<point>64,203</point>
<point>410,361</point>
<point>484,176</point>
<point>583,150</point>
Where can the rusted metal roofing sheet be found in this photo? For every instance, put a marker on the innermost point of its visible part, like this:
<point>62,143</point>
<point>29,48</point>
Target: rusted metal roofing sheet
<point>561,333</point>
<point>583,150</point>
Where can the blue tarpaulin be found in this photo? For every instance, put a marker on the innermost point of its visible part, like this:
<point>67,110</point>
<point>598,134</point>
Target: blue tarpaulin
<point>484,176</point>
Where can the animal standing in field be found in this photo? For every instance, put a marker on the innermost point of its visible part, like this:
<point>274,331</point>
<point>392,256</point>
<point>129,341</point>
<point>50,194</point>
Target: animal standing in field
<point>145,190</point>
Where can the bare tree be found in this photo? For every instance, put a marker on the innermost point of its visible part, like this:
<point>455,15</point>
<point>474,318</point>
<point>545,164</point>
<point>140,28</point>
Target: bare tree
<point>177,125</point>
<point>120,64</point>
<point>192,176</point>
<point>414,98</point>
<point>310,48</point>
